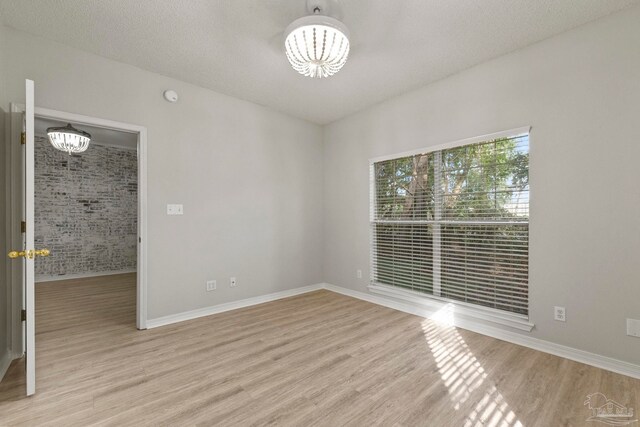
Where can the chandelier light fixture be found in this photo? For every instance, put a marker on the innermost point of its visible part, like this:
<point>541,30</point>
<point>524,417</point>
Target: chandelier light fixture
<point>317,45</point>
<point>68,139</point>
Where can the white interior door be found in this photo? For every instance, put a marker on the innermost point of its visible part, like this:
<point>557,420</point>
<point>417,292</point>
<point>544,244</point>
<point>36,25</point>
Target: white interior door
<point>27,254</point>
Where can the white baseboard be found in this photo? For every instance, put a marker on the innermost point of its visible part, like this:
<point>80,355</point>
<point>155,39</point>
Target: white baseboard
<point>604,362</point>
<point>56,277</point>
<point>5,361</point>
<point>220,308</point>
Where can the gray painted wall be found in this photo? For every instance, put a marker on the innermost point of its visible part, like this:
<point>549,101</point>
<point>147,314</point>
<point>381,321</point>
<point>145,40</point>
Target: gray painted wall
<point>250,178</point>
<point>4,282</point>
<point>85,210</point>
<point>580,92</point>
<point>5,341</point>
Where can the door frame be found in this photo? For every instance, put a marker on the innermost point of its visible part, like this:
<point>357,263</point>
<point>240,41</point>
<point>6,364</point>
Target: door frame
<point>141,268</point>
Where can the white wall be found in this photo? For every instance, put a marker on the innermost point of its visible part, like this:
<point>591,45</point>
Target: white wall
<point>580,92</point>
<point>250,178</point>
<point>4,282</point>
<point>5,355</point>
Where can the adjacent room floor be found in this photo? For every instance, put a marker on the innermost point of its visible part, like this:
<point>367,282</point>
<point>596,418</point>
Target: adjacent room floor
<point>314,359</point>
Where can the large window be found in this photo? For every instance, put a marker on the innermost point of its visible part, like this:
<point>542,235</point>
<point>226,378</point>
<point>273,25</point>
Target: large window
<point>454,223</point>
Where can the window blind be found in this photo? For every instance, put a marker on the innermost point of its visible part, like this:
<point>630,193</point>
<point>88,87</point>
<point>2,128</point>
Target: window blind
<point>454,223</point>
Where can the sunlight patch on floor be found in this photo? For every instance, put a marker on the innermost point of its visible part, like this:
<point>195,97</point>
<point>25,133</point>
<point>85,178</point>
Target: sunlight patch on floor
<point>463,375</point>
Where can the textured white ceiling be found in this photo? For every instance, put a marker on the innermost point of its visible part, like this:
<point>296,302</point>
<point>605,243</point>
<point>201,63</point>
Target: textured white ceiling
<point>235,46</point>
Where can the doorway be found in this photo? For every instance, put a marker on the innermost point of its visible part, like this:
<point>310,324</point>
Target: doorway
<point>85,209</point>
<point>117,138</point>
<point>20,196</point>
<point>85,215</point>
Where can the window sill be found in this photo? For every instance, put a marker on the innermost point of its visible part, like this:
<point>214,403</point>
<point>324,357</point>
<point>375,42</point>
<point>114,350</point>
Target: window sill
<point>437,304</point>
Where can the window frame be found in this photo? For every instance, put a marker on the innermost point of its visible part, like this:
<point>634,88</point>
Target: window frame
<point>435,302</point>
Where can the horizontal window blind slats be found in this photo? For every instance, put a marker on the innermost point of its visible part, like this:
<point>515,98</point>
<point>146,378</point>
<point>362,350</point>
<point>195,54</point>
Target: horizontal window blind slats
<point>425,270</point>
<point>512,257</point>
<point>487,294</point>
<point>456,279</point>
<point>502,291</point>
<point>463,281</point>
<point>461,221</point>
<point>454,223</point>
<point>452,262</point>
<point>480,270</point>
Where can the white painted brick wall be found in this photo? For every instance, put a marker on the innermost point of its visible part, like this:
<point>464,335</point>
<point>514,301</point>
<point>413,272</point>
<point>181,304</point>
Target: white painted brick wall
<point>85,209</point>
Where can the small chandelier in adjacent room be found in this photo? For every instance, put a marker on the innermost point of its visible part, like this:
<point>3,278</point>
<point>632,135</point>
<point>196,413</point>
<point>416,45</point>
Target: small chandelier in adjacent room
<point>317,45</point>
<point>68,139</point>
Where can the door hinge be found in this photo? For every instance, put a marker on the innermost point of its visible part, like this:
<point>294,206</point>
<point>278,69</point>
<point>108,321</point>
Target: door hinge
<point>23,138</point>
<point>23,226</point>
<point>23,315</point>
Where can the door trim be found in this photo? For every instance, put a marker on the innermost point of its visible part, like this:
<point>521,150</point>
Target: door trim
<point>141,131</point>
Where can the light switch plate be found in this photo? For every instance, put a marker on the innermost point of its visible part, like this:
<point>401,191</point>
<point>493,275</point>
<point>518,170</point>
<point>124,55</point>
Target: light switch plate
<point>633,328</point>
<point>174,210</point>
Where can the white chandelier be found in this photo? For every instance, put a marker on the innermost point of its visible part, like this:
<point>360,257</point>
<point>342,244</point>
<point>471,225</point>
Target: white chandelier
<point>68,139</point>
<point>317,45</point>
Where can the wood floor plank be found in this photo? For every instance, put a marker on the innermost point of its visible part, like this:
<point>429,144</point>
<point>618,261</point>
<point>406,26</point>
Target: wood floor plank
<point>318,359</point>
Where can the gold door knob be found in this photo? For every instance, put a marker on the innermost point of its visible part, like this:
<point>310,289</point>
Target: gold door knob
<point>30,254</point>
<point>17,254</point>
<point>42,252</point>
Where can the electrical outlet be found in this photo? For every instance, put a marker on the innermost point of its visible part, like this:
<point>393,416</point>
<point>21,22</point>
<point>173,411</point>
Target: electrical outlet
<point>175,210</point>
<point>633,328</point>
<point>211,285</point>
<point>559,314</point>
<point>232,282</point>
<point>359,274</point>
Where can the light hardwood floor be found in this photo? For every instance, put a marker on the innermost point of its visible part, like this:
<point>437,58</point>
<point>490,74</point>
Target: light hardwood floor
<point>314,359</point>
